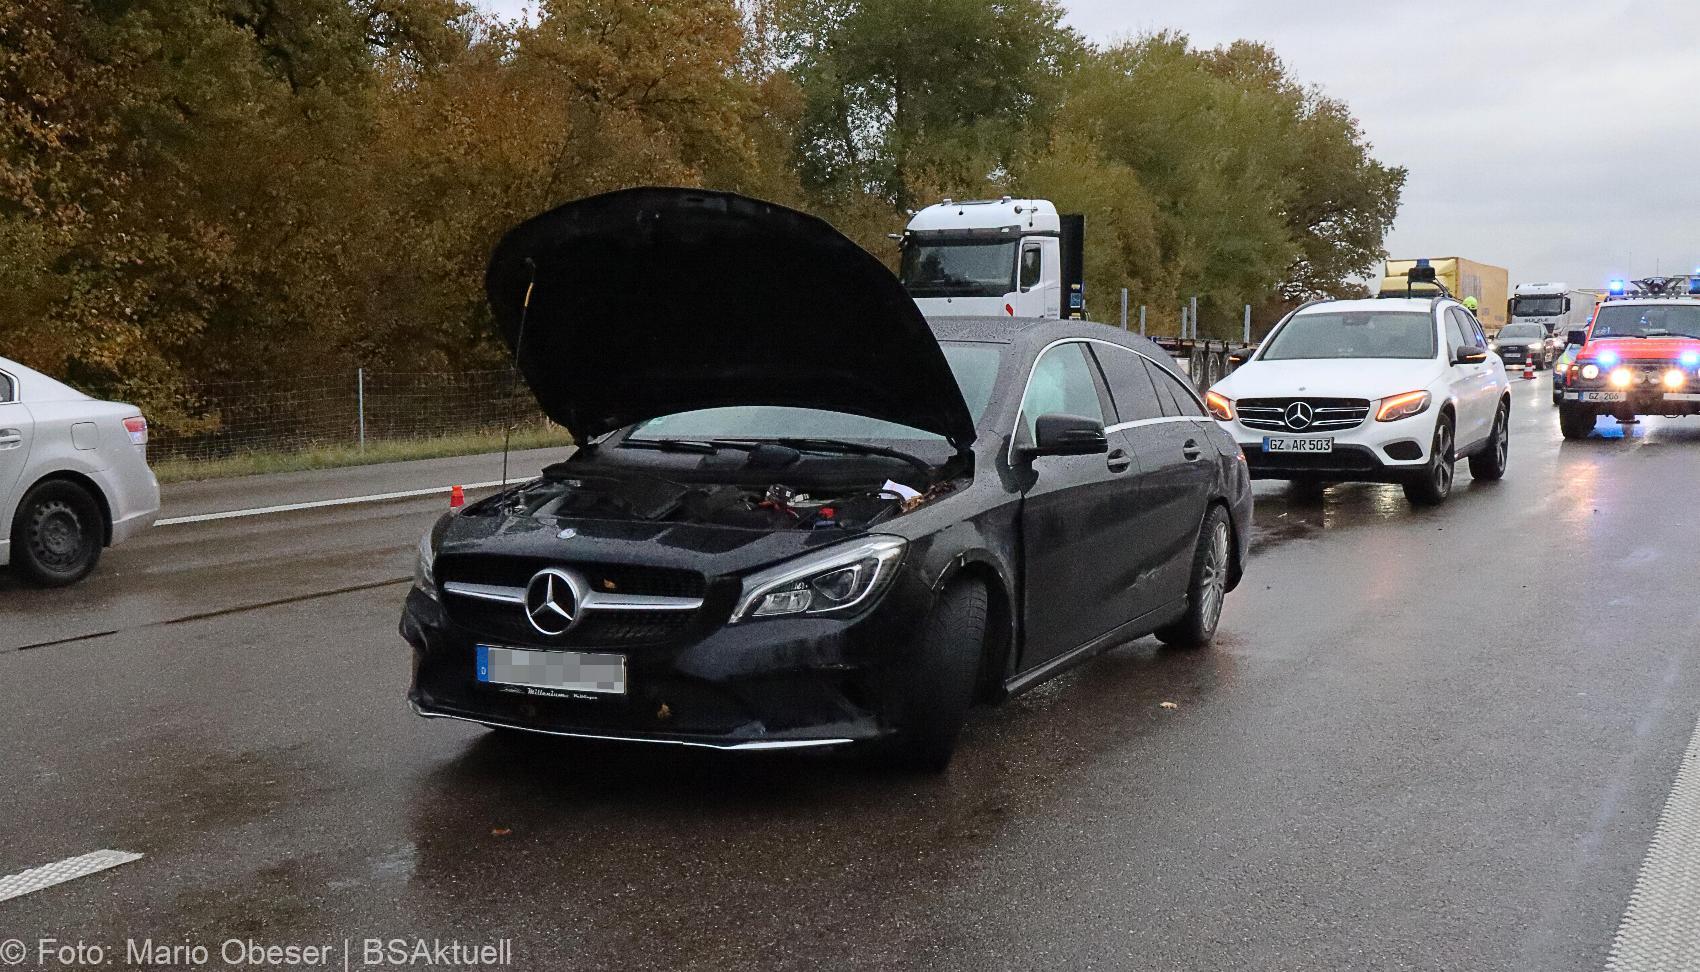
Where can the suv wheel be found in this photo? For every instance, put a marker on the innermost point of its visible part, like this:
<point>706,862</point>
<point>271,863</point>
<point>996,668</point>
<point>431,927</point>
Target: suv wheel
<point>942,687</point>
<point>1575,421</point>
<point>1489,463</point>
<point>1431,485</point>
<point>57,534</point>
<point>1212,561</point>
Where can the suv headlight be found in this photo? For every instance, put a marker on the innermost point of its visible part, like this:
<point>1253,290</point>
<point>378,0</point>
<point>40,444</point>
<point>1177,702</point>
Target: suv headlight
<point>1220,406</point>
<point>837,578</point>
<point>423,564</point>
<point>1395,407</point>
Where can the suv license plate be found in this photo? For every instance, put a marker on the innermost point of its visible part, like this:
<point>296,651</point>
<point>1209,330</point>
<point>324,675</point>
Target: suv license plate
<point>1272,444</point>
<point>1605,396</point>
<point>559,671</point>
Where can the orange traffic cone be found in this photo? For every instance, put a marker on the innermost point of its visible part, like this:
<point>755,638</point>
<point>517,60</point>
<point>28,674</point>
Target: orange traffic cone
<point>1529,370</point>
<point>457,498</point>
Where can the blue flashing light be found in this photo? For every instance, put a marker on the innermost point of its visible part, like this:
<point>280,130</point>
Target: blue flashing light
<point>1616,286</point>
<point>1608,358</point>
<point>1691,359</point>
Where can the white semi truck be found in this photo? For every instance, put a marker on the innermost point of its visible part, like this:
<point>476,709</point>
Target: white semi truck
<point>1557,307</point>
<point>995,258</point>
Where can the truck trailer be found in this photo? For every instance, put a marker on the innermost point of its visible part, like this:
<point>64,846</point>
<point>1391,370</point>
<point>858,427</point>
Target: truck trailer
<point>1462,278</point>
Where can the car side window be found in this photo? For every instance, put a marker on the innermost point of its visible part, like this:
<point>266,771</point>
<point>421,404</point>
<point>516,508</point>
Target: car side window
<point>8,389</point>
<point>1032,262</point>
<point>1176,399</point>
<point>1457,333</point>
<point>1061,382</point>
<point>1131,391</point>
<point>1480,335</point>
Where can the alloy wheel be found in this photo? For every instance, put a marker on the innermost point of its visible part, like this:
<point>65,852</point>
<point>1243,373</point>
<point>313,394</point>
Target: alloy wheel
<point>1213,580</point>
<point>1443,462</point>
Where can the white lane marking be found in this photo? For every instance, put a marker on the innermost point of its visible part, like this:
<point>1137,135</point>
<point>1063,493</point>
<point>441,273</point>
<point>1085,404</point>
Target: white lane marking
<point>317,504</point>
<point>46,876</point>
<point>1660,930</point>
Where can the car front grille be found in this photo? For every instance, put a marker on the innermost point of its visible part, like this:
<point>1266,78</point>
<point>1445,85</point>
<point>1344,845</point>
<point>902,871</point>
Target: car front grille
<point>487,615</point>
<point>1324,414</point>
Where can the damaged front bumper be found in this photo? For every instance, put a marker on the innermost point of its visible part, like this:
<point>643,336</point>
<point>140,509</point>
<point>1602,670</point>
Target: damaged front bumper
<point>783,683</point>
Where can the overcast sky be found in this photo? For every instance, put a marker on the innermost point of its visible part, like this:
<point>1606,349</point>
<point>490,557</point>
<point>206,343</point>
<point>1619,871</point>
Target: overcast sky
<point>1558,138</point>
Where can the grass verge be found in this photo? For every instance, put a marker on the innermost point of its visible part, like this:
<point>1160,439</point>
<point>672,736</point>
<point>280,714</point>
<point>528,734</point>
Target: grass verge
<point>331,457</point>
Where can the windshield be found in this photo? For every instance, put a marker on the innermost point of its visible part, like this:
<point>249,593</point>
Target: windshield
<point>1522,332</point>
<point>1537,306</point>
<point>974,365</point>
<point>1647,320</point>
<point>1353,334</point>
<point>959,268</point>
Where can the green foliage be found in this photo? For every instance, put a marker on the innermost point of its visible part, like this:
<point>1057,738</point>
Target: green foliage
<point>201,190</point>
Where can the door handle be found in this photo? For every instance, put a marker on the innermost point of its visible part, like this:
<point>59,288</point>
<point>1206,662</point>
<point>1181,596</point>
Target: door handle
<point>1191,450</point>
<point>1118,461</point>
<point>10,438</point>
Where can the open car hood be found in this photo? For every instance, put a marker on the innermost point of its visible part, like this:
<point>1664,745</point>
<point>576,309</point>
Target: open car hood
<point>650,301</point>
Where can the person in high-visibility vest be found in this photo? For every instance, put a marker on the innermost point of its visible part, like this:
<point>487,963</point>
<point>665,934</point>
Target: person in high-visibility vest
<point>1470,304</point>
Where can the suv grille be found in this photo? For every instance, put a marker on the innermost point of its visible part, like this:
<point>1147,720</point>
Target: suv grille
<point>1302,414</point>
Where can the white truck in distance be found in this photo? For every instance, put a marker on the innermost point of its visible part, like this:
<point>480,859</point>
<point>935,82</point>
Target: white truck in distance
<point>994,258</point>
<point>1554,306</point>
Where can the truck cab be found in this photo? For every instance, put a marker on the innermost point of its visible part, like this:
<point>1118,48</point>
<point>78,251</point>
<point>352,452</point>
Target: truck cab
<point>1556,307</point>
<point>994,258</point>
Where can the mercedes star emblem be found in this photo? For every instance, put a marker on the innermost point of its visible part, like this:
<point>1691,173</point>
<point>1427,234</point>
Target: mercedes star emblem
<point>1299,416</point>
<point>552,601</point>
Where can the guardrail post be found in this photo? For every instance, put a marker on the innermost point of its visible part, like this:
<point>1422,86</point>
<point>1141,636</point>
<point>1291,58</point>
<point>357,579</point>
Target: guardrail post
<point>1124,308</point>
<point>360,403</point>
<point>1248,324</point>
<point>1141,320</point>
<point>1193,315</point>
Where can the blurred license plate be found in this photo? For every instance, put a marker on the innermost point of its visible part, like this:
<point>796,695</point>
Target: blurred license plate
<point>561,671</point>
<point>1605,396</point>
<point>1272,444</point>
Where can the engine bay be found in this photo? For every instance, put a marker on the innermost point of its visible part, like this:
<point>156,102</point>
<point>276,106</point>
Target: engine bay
<point>771,507</point>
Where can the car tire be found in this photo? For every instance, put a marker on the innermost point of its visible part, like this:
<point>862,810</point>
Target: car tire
<point>1207,586</point>
<point>1575,421</point>
<point>1433,484</point>
<point>1490,461</point>
<point>941,687</point>
<point>57,534</point>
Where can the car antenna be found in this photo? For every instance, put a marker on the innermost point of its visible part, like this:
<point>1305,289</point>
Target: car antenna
<point>513,365</point>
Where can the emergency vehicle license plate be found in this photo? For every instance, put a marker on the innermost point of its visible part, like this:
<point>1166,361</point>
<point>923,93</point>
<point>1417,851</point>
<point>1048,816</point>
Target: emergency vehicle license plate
<point>1272,444</point>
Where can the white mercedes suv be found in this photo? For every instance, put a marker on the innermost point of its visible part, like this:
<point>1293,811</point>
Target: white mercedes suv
<point>1390,390</point>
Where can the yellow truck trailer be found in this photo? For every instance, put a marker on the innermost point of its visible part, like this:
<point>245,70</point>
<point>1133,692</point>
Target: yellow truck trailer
<point>1490,285</point>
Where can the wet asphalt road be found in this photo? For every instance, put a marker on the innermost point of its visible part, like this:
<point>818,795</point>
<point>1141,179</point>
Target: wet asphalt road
<point>1424,740</point>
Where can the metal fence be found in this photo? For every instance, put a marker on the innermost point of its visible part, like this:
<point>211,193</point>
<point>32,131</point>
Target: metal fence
<point>347,409</point>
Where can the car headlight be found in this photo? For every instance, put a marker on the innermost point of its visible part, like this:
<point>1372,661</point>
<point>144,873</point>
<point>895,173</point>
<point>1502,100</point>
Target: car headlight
<point>1396,407</point>
<point>1493,345</point>
<point>1621,377</point>
<point>1590,371</point>
<point>837,578</point>
<point>1674,378</point>
<point>423,564</point>
<point>1220,406</point>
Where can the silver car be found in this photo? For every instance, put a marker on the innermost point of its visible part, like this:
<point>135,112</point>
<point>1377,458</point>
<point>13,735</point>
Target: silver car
<point>74,476</point>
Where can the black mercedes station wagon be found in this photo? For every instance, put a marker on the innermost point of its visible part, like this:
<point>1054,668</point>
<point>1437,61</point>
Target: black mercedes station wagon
<point>800,514</point>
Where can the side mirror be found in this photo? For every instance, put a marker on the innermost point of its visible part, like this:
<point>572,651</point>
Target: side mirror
<point>1470,354</point>
<point>1567,305</point>
<point>1067,435</point>
<point>1576,337</point>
